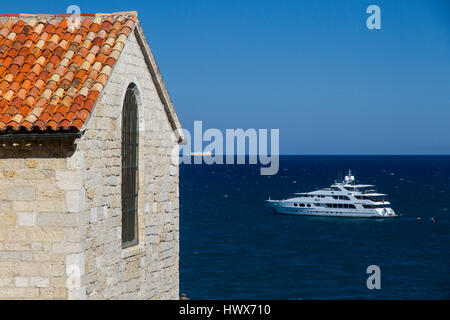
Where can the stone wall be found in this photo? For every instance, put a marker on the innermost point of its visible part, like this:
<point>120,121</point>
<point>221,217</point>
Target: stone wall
<point>60,204</point>
<point>150,269</point>
<point>38,226</point>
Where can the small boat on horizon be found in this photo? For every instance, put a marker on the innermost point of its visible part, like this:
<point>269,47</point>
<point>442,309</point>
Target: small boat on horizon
<point>201,153</point>
<point>341,199</point>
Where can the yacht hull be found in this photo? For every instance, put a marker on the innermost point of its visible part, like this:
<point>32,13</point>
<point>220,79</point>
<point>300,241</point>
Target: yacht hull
<point>280,208</point>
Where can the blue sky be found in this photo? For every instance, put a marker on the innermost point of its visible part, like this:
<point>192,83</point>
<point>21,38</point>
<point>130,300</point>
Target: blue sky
<point>310,68</point>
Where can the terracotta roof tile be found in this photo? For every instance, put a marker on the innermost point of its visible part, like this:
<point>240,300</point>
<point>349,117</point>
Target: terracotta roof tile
<point>51,75</point>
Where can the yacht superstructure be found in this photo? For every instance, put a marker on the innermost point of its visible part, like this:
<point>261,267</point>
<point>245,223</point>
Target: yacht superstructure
<point>342,199</point>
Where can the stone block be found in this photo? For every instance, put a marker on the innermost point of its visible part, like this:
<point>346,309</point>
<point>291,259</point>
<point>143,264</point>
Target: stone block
<point>75,200</point>
<point>21,282</point>
<point>44,235</point>
<point>51,269</point>
<point>26,219</point>
<point>22,193</point>
<point>39,282</point>
<point>8,219</point>
<point>68,179</point>
<point>32,163</point>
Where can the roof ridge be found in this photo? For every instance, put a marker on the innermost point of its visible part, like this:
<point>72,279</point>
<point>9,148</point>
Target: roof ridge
<point>118,13</point>
<point>63,15</point>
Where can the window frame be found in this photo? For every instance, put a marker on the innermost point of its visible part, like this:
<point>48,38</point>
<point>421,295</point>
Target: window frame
<point>130,168</point>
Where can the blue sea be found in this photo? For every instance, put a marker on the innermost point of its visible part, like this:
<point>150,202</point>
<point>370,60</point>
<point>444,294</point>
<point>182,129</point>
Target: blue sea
<point>232,246</point>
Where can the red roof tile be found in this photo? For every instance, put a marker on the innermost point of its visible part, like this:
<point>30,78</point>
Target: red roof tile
<point>51,75</point>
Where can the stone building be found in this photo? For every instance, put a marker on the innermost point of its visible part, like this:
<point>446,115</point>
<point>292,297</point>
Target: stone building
<point>88,189</point>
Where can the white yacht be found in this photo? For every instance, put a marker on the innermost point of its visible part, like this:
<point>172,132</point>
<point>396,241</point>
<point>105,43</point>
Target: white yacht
<point>342,199</point>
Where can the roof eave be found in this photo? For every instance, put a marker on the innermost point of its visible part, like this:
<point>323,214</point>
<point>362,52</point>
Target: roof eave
<point>41,136</point>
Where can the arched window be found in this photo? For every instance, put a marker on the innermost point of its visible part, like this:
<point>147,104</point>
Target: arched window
<point>130,139</point>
